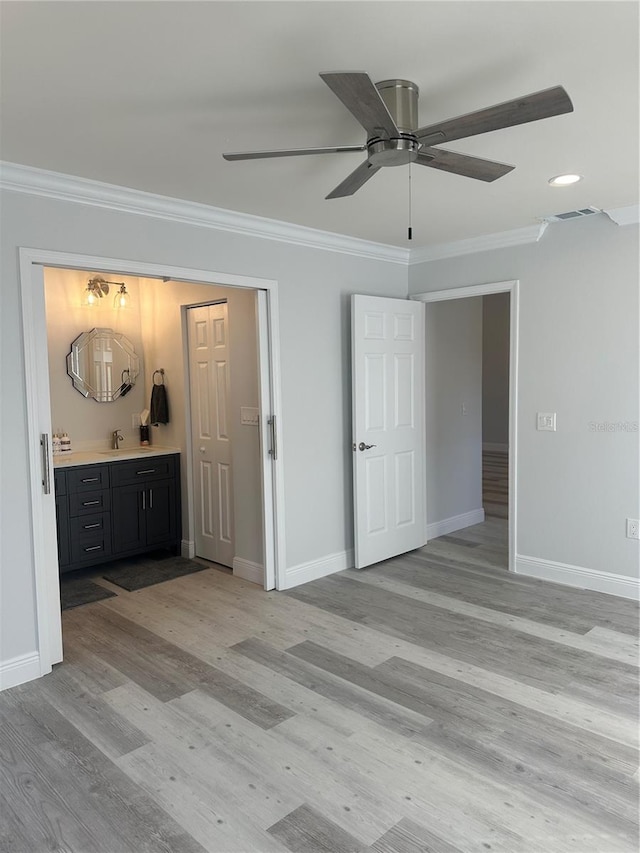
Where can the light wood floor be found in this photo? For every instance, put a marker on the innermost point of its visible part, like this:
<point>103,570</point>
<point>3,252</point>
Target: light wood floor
<point>432,703</point>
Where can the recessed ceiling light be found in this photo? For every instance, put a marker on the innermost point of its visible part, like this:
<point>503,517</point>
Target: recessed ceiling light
<point>564,180</point>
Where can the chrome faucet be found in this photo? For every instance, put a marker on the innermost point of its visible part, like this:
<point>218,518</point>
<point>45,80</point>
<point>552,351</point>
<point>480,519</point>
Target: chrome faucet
<point>116,438</point>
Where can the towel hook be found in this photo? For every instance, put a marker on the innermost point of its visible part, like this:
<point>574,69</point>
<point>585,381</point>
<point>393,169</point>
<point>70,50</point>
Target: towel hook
<point>161,372</point>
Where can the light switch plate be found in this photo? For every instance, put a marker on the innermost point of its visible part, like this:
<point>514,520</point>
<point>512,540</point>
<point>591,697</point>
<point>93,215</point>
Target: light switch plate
<point>547,421</point>
<point>249,415</point>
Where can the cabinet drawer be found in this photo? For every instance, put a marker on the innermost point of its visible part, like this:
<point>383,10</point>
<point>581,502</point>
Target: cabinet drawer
<point>60,480</point>
<point>142,470</point>
<point>88,503</point>
<point>91,525</point>
<point>88,478</point>
<point>89,548</point>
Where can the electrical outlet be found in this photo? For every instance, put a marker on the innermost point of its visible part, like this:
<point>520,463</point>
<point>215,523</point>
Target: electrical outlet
<point>135,420</point>
<point>633,528</point>
<point>463,408</point>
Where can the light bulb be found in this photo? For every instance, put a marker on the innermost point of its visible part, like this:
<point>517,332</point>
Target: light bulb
<point>91,298</point>
<point>564,180</point>
<point>122,298</point>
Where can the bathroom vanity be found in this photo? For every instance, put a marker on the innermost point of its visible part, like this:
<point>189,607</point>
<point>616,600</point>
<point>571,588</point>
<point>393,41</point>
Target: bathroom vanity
<point>113,504</point>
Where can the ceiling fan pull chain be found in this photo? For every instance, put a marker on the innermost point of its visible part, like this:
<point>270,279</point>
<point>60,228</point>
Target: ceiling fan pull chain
<point>409,229</point>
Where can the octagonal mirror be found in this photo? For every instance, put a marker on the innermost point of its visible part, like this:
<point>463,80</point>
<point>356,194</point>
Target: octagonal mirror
<point>103,365</point>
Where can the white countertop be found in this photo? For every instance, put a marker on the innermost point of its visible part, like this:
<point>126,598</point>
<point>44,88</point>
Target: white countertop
<point>93,457</point>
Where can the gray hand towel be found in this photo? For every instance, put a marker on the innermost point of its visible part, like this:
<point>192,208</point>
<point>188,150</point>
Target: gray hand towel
<point>159,407</point>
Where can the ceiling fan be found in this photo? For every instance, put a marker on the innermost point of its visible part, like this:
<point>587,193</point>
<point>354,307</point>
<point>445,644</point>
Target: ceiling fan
<point>388,111</point>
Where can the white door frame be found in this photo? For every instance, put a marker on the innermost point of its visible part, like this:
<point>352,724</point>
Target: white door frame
<point>35,348</point>
<point>512,288</point>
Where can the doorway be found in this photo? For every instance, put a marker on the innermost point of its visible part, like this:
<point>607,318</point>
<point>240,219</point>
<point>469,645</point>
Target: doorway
<point>47,585</point>
<point>221,355</point>
<point>486,469</point>
<point>495,407</point>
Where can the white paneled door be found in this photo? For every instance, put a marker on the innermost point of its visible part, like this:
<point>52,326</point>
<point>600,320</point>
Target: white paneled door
<point>210,432</point>
<point>388,427</point>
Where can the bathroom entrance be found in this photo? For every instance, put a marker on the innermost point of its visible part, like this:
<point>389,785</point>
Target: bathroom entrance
<point>163,341</point>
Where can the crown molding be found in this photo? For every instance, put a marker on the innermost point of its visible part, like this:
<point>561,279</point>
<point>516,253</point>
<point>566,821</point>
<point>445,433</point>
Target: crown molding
<point>484,243</point>
<point>40,182</point>
<point>629,215</point>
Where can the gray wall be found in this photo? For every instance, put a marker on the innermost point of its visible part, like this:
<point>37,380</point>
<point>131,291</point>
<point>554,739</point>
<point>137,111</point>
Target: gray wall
<point>495,369</point>
<point>314,288</point>
<point>453,377</point>
<point>579,357</point>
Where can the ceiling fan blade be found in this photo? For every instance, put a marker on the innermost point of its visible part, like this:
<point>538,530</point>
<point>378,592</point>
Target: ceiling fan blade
<point>548,102</point>
<point>357,92</point>
<point>354,181</point>
<point>291,152</point>
<point>462,164</point>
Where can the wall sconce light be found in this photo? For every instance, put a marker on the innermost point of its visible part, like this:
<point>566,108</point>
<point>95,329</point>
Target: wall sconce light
<point>122,298</point>
<point>98,288</point>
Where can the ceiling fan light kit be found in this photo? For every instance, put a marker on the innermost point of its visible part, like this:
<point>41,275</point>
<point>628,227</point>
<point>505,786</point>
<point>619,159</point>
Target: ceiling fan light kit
<point>388,111</point>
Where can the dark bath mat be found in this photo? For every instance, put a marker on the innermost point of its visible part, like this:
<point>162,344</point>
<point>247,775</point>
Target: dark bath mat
<point>75,592</point>
<point>138,575</point>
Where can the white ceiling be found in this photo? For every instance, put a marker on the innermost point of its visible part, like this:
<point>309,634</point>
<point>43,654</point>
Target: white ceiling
<point>149,94</point>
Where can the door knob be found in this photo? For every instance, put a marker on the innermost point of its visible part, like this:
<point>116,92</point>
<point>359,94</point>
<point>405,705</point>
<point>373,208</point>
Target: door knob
<point>364,446</point>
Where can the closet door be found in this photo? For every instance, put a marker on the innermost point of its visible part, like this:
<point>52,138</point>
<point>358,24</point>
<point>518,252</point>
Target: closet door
<point>210,432</point>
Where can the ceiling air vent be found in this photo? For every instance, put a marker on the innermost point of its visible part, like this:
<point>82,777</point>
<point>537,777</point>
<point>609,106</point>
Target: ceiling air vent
<point>571,214</point>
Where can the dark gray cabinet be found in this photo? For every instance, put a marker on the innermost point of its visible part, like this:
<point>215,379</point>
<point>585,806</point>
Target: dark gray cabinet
<point>117,510</point>
<point>144,516</point>
<point>62,520</point>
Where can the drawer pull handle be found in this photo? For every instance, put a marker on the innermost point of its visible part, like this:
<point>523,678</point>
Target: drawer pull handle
<point>148,471</point>
<point>90,503</point>
<point>94,548</point>
<point>91,526</point>
<point>90,479</point>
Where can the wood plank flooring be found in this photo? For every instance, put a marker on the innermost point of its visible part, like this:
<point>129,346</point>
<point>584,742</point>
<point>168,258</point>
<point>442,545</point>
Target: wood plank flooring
<point>495,483</point>
<point>431,703</point>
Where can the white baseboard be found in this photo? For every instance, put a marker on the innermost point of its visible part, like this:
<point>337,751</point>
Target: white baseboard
<point>455,522</point>
<point>314,569</point>
<point>20,669</point>
<point>188,549</point>
<point>495,446</point>
<point>578,576</point>
<point>248,570</point>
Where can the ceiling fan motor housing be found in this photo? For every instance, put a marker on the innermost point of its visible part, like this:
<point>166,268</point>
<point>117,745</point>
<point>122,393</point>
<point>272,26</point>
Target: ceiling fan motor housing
<point>401,99</point>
